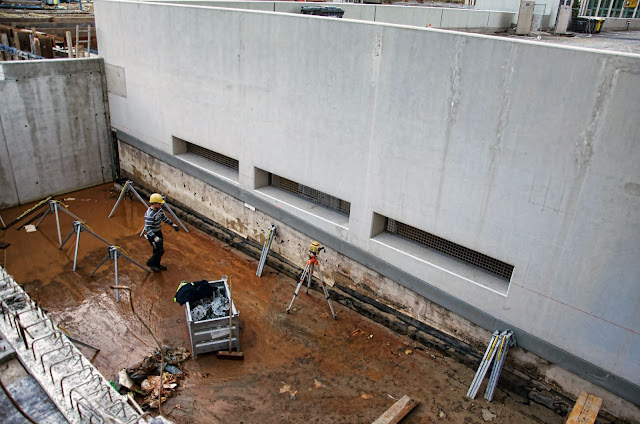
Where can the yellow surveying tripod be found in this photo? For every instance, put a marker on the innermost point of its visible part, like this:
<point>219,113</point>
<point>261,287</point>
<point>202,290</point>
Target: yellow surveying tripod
<point>307,274</point>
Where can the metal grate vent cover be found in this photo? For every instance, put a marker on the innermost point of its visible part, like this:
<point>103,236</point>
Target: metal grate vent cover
<point>310,194</point>
<point>494,266</point>
<point>216,157</point>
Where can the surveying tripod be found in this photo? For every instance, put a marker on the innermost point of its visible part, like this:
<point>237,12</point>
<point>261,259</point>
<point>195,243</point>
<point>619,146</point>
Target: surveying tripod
<point>307,274</point>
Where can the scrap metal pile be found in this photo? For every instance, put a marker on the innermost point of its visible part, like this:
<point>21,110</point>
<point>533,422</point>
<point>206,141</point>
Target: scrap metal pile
<point>142,381</point>
<point>211,307</point>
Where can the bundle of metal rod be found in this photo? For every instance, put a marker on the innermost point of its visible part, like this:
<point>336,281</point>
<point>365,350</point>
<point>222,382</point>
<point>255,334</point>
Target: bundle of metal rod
<point>506,340</point>
<point>484,366</point>
<point>265,249</point>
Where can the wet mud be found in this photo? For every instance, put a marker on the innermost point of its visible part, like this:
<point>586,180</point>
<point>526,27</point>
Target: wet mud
<point>303,366</point>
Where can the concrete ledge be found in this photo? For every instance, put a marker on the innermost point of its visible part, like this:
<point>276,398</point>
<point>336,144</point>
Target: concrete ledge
<point>578,366</point>
<point>16,70</point>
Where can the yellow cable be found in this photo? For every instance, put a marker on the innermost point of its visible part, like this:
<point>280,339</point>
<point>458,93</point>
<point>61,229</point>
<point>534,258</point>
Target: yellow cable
<point>31,209</point>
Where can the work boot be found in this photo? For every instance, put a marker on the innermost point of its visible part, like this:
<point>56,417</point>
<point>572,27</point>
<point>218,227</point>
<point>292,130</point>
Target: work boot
<point>162,267</point>
<point>154,268</point>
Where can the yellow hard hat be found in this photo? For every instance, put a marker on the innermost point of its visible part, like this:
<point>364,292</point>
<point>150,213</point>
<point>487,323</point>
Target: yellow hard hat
<point>156,198</point>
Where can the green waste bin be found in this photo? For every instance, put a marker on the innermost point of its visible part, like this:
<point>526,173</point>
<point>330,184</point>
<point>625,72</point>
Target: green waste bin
<point>335,12</point>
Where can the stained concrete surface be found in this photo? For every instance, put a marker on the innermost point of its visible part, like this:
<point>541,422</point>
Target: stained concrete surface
<point>302,366</point>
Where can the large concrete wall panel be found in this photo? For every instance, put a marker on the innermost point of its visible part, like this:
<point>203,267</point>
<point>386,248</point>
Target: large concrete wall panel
<point>458,18</point>
<point>415,16</point>
<point>507,147</point>
<point>55,130</point>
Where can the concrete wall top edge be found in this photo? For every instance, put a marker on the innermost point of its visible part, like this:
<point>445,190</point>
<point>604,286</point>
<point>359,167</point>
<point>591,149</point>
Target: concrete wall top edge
<point>381,24</point>
<point>44,68</point>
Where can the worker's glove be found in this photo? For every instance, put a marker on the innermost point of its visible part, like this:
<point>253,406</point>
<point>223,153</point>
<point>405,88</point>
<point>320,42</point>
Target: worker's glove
<point>175,227</point>
<point>156,239</point>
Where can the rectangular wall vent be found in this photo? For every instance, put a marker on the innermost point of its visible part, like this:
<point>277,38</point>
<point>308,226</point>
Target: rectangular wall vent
<point>216,157</point>
<point>310,194</point>
<point>494,266</point>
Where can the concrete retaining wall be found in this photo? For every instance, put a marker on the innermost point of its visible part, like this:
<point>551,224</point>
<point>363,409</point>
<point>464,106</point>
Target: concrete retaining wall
<point>54,136</point>
<point>465,136</point>
<point>620,24</point>
<point>436,17</point>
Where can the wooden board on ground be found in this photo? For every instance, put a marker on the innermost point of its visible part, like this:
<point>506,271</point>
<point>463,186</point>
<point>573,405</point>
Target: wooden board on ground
<point>397,411</point>
<point>586,409</point>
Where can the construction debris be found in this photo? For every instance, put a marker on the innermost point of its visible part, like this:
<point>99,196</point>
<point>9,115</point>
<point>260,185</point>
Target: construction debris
<point>211,307</point>
<point>142,380</point>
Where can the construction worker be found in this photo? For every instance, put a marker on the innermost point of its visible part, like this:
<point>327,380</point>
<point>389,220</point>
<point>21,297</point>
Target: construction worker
<point>153,227</point>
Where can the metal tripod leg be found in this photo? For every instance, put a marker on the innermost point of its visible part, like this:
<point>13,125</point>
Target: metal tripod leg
<point>326,292</point>
<point>115,264</point>
<point>128,186</point>
<point>68,237</point>
<point>137,194</point>
<point>122,193</point>
<point>176,217</point>
<point>309,277</point>
<point>302,278</point>
<point>65,210</point>
<point>75,255</point>
<point>43,215</point>
<point>57,222</point>
<point>100,264</point>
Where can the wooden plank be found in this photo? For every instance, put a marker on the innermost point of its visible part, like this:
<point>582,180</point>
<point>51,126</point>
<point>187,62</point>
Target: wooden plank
<point>5,40</point>
<point>46,46</point>
<point>586,409</point>
<point>77,41</point>
<point>397,411</point>
<point>69,44</point>
<point>16,44</point>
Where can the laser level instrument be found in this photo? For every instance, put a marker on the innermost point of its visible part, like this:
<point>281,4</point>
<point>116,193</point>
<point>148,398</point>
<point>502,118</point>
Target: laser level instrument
<point>307,274</point>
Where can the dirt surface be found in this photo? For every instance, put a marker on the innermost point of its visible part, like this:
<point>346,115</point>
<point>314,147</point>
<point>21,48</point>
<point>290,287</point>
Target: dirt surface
<point>303,367</point>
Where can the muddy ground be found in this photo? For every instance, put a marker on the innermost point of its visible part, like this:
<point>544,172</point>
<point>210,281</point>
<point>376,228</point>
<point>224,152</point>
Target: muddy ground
<point>304,366</point>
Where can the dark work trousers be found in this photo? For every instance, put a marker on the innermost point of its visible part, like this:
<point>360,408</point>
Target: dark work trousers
<point>158,250</point>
